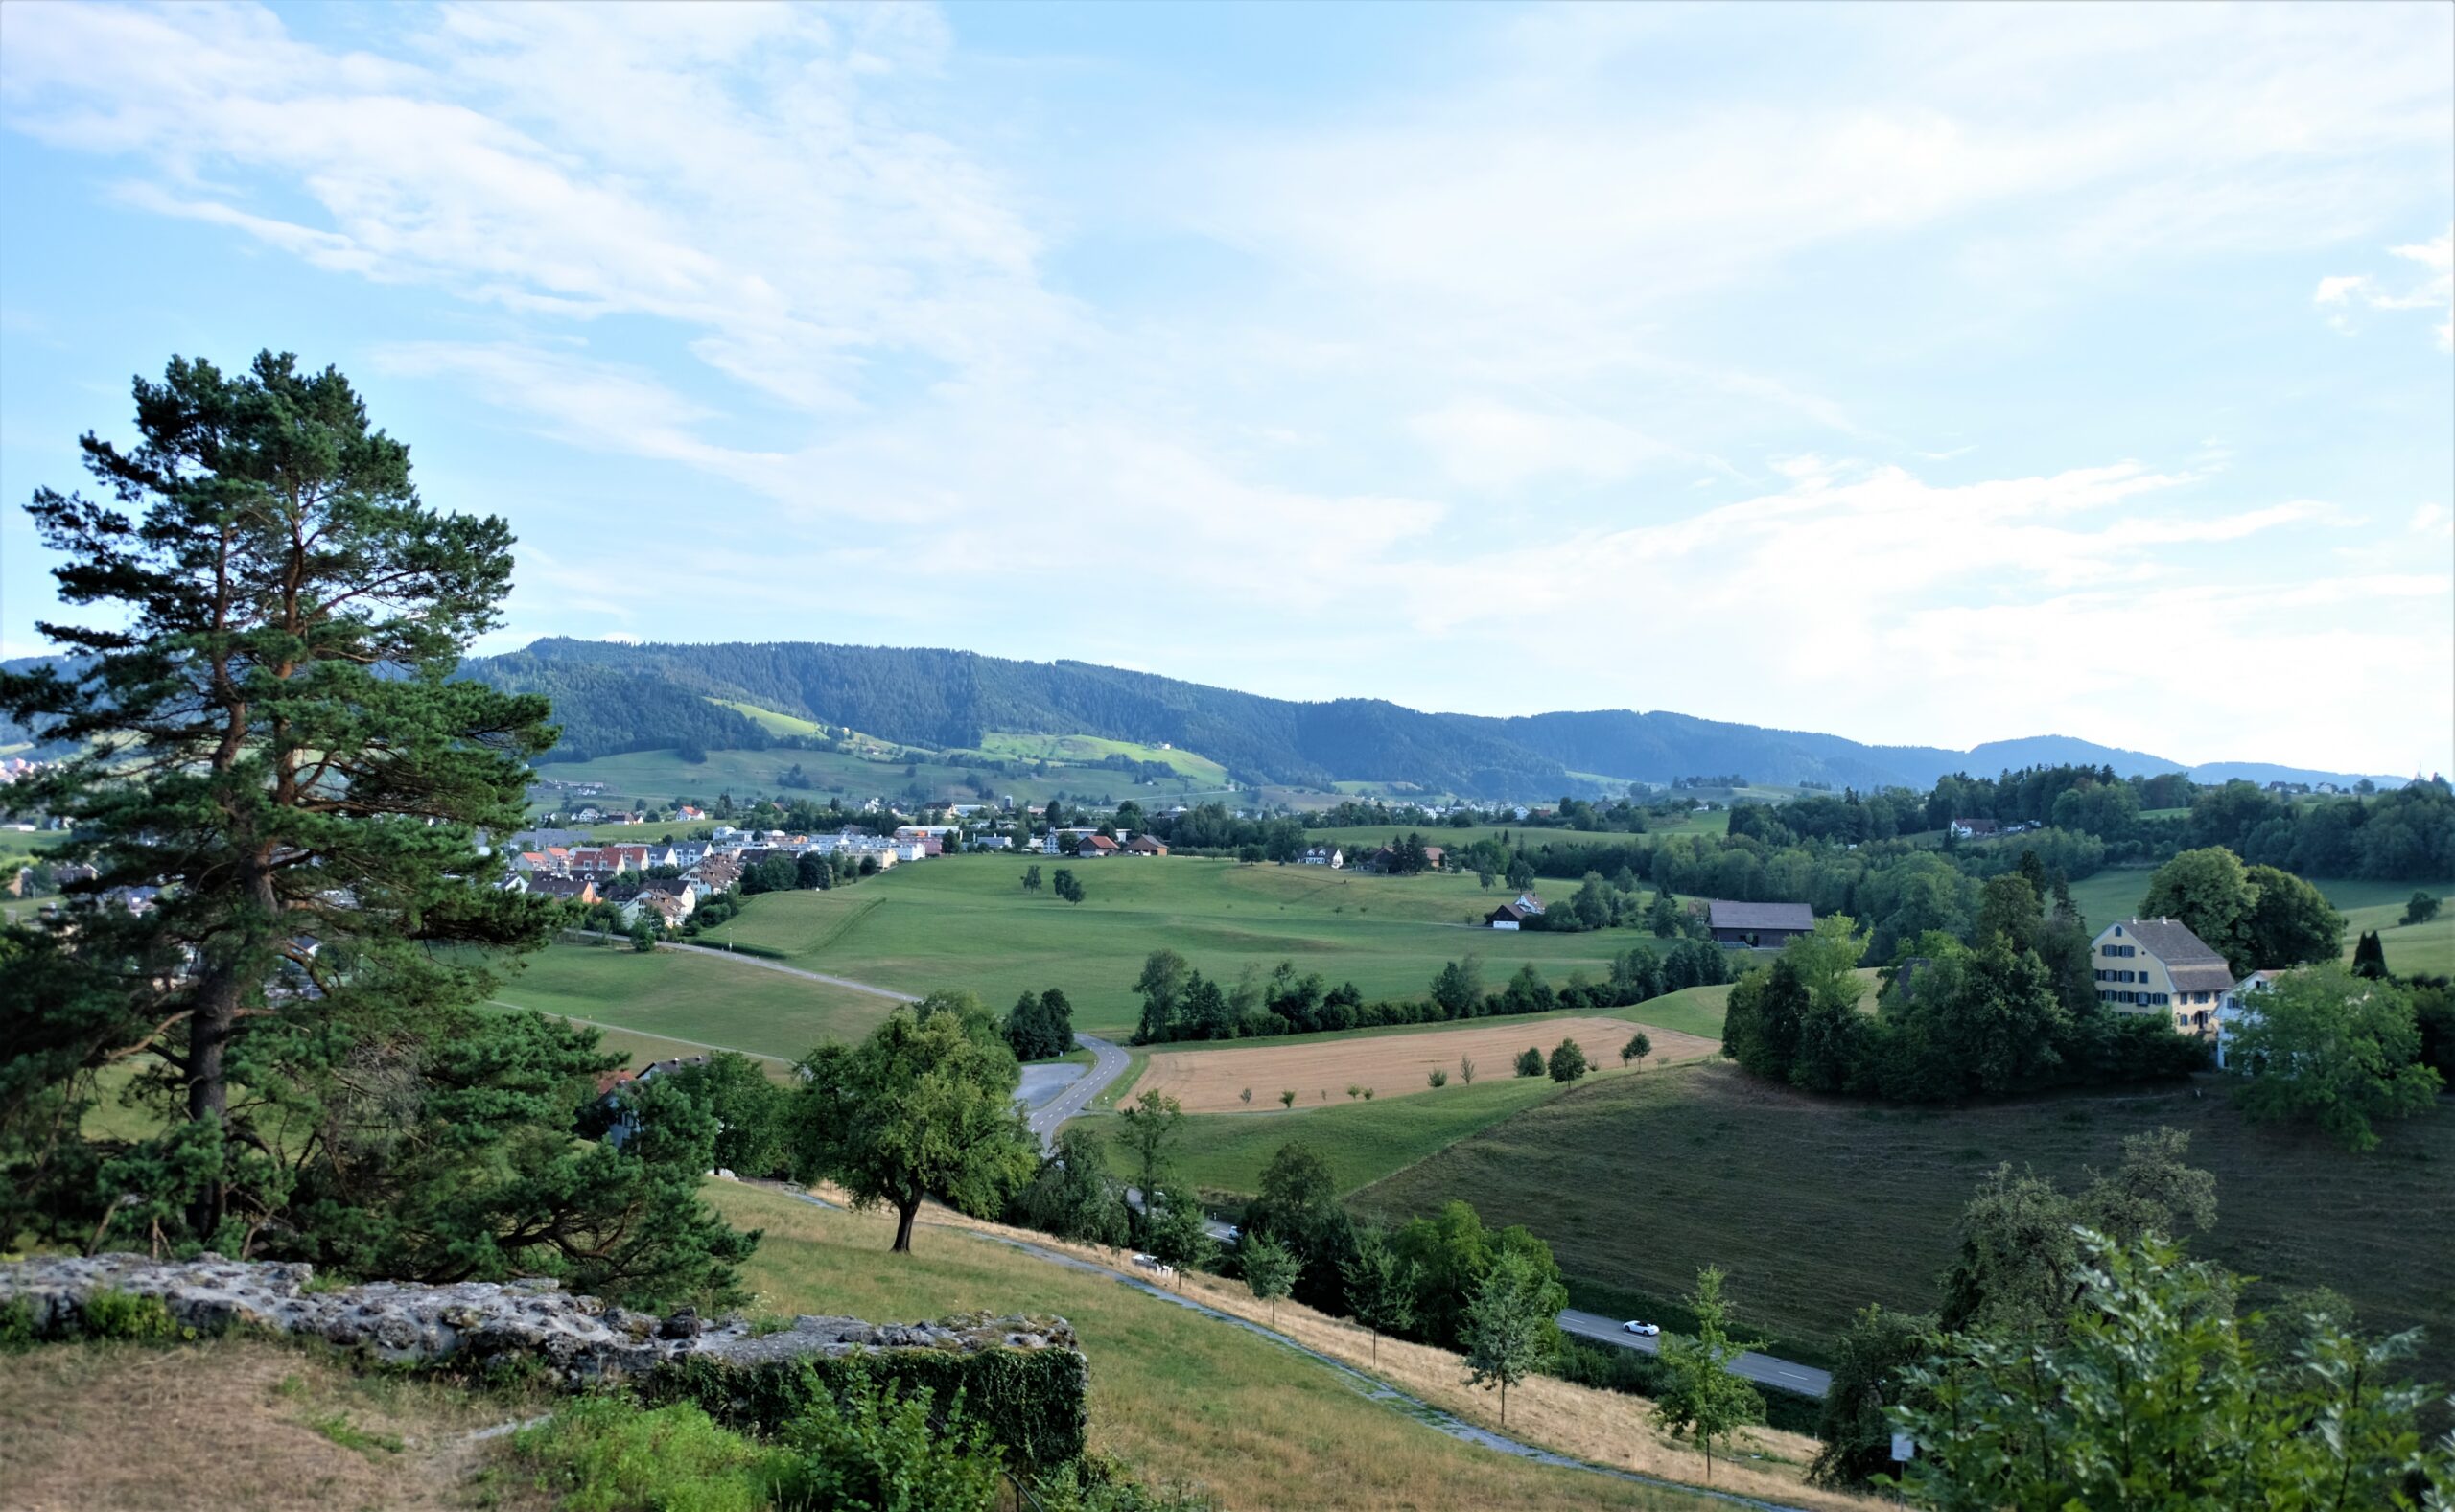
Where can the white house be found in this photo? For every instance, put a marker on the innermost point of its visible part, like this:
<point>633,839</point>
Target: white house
<point>1324,855</point>
<point>2157,966</point>
<point>2238,1003</point>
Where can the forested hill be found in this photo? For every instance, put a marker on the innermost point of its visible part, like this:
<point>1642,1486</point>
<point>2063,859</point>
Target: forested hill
<point>611,698</point>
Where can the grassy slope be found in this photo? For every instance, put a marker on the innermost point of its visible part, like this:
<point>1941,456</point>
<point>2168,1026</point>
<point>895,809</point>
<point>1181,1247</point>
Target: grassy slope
<point>1078,750</point>
<point>685,997</point>
<point>1177,1395</point>
<point>768,719</point>
<point>964,921</point>
<point>1817,1206</point>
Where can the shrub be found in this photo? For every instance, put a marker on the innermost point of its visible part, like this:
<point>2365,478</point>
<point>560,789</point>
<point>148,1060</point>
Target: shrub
<point>881,1449</point>
<point>1530,1063</point>
<point>126,1316</point>
<point>17,1324</point>
<point>610,1453</point>
<point>1438,1078</point>
<point>1031,1402</point>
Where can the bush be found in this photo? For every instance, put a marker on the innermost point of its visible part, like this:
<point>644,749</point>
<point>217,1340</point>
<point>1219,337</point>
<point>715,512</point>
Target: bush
<point>610,1453</point>
<point>1568,1062</point>
<point>126,1316</point>
<point>1438,1078</point>
<point>1530,1063</point>
<point>1030,1401</point>
<point>878,1448</point>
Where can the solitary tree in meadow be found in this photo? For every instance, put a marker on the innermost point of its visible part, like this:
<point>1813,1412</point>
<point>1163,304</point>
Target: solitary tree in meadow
<point>1032,879</point>
<point>1287,1096</point>
<point>924,1107</point>
<point>1568,1062</point>
<point>1066,885</point>
<point>1638,1047</point>
<point>1530,1061</point>
<point>2421,910</point>
<point>1467,1070</point>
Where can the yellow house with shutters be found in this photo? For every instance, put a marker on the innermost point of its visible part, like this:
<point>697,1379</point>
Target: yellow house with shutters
<point>2157,966</point>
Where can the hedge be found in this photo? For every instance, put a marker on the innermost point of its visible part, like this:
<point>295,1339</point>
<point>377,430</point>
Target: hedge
<point>1033,1402</point>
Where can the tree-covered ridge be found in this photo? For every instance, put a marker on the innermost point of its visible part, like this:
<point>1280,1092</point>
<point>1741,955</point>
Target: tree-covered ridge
<point>614,698</point>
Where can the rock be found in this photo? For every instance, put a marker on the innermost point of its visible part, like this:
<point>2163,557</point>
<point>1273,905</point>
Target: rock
<point>480,1322</point>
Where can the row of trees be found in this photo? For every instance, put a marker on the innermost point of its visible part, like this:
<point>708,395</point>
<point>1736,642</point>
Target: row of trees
<point>1180,1003</point>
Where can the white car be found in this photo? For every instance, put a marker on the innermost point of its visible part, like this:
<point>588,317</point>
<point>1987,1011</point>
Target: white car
<point>1642,1330</point>
<point>1154,1265</point>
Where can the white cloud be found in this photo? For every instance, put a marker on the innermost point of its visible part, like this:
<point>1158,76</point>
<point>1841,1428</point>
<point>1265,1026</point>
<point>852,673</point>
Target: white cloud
<point>2433,290</point>
<point>1455,430</point>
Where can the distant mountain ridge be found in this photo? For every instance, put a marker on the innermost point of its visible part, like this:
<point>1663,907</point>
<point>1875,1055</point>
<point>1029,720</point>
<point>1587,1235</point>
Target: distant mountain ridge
<point>613,697</point>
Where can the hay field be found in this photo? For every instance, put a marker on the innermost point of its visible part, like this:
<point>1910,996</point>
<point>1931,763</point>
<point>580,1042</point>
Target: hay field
<point>1392,1066</point>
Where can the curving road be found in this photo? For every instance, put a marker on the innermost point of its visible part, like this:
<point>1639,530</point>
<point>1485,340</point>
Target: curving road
<point>1765,1370</point>
<point>1108,1063</point>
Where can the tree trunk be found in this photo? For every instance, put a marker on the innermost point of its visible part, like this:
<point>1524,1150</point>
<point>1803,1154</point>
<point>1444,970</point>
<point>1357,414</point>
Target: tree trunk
<point>904,1214</point>
<point>217,1012</point>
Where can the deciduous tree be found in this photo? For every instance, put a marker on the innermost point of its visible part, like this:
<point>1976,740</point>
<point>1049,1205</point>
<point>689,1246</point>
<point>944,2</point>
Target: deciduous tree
<point>1706,1399</point>
<point>1269,1269</point>
<point>924,1107</point>
<point>1381,1287</point>
<point>2336,1050</point>
<point>1511,1328</point>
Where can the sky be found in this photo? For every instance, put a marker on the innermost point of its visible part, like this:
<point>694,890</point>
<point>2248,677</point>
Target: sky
<point>1916,374</point>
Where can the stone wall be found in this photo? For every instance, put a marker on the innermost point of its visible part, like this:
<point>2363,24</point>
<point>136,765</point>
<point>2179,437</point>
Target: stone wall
<point>1028,1364</point>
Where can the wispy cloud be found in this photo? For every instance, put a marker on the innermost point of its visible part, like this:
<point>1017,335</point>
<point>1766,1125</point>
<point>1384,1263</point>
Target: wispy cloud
<point>2433,288</point>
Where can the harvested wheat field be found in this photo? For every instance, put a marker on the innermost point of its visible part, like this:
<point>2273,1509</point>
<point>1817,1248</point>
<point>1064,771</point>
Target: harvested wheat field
<point>1390,1066</point>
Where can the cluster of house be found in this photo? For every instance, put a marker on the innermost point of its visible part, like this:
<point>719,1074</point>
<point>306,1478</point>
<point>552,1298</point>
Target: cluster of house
<point>570,865</point>
<point>1988,829</point>
<point>1385,859</point>
<point>1089,845</point>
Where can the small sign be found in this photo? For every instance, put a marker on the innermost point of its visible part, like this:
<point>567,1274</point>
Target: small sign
<point>1904,1447</point>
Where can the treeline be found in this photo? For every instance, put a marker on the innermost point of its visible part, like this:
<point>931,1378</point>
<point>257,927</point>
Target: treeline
<point>1178,1003</point>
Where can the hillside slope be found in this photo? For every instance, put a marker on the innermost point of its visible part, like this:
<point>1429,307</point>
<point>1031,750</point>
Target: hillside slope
<point>613,698</point>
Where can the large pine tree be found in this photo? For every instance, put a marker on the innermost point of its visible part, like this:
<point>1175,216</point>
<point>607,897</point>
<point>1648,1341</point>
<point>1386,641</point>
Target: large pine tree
<point>284,795</point>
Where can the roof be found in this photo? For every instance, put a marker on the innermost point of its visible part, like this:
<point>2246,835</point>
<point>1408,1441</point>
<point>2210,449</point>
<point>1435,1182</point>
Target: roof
<point>2187,959</point>
<point>1724,915</point>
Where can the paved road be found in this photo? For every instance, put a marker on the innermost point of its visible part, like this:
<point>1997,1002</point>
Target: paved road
<point>1764,1369</point>
<point>766,964</point>
<point>1108,1063</point>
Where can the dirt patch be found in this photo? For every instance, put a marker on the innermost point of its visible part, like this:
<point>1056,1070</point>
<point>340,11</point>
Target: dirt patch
<point>234,1423</point>
<point>1392,1066</point>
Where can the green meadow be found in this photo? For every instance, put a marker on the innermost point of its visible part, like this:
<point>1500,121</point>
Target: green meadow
<point>966,922</point>
<point>683,1002</point>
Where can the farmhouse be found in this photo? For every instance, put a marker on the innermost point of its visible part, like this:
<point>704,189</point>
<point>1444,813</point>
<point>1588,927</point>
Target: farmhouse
<point>1090,847</point>
<point>1144,846</point>
<point>2238,1003</point>
<point>1324,855</point>
<point>1974,828</point>
<point>2157,966</point>
<point>1759,927</point>
<point>1517,915</point>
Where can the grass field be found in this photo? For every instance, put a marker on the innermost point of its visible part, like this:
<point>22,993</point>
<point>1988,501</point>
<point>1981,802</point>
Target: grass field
<point>1061,751</point>
<point>1388,1065</point>
<point>768,719</point>
<point>674,995</point>
<point>1176,1395</point>
<point>1818,1206</point>
<point>964,921</point>
<point>1223,1154</point>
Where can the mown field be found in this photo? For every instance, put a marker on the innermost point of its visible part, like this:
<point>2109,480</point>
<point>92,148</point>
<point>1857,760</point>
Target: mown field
<point>673,998</point>
<point>1818,1206</point>
<point>1179,1396</point>
<point>966,922</point>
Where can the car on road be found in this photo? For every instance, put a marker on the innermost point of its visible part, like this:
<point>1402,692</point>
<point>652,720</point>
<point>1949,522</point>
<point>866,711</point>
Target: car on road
<point>1643,1330</point>
<point>1154,1265</point>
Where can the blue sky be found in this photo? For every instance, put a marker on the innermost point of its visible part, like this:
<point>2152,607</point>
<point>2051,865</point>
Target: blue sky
<point>1918,373</point>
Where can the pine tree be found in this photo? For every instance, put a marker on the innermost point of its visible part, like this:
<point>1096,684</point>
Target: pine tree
<point>282,789</point>
<point>2370,957</point>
